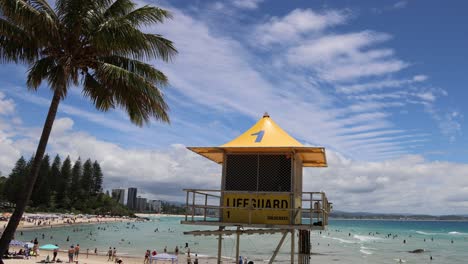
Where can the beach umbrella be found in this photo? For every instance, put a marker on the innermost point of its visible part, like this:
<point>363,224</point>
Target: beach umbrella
<point>48,247</point>
<point>17,243</point>
<point>29,244</point>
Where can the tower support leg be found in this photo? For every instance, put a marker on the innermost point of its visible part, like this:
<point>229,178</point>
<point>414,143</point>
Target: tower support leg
<point>285,234</point>
<point>237,244</point>
<point>292,245</point>
<point>304,247</point>
<point>220,243</point>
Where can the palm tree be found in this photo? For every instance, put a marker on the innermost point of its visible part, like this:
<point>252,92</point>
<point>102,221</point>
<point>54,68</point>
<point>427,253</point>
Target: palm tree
<point>96,44</point>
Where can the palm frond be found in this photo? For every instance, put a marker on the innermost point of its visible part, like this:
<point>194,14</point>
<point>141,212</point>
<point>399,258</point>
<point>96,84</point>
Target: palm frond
<point>121,38</point>
<point>164,48</point>
<point>144,70</point>
<point>147,15</point>
<point>39,23</point>
<point>73,13</point>
<point>16,45</point>
<point>139,97</point>
<point>101,96</point>
<point>43,6</point>
<point>119,8</point>
<point>39,71</point>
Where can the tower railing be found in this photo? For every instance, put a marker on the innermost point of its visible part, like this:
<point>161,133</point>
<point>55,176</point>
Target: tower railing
<point>203,207</point>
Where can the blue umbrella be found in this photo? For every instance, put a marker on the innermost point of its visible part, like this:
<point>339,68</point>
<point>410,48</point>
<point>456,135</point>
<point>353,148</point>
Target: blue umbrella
<point>16,243</point>
<point>49,247</point>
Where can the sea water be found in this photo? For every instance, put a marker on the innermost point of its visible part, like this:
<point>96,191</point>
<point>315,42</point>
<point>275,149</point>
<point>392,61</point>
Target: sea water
<point>344,241</point>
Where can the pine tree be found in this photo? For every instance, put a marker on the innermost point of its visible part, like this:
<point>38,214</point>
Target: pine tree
<point>15,182</point>
<point>3,180</point>
<point>63,190</point>
<point>54,179</point>
<point>41,191</point>
<point>75,188</point>
<point>87,183</point>
<point>97,177</point>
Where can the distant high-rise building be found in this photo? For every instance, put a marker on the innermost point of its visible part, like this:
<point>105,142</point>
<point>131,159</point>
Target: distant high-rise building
<point>119,195</point>
<point>132,199</point>
<point>154,206</point>
<point>141,204</point>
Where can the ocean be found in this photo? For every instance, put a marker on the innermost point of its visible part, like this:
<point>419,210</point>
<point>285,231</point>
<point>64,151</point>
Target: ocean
<point>344,241</point>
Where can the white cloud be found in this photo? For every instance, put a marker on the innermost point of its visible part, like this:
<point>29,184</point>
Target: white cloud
<point>357,70</point>
<point>162,173</point>
<point>295,25</point>
<point>420,78</point>
<point>324,49</point>
<point>400,4</point>
<point>7,106</point>
<point>427,96</point>
<point>98,118</point>
<point>218,73</point>
<point>396,6</point>
<point>231,80</point>
<point>372,106</point>
<point>450,125</point>
<point>218,6</point>
<point>346,57</point>
<point>375,86</point>
<point>62,126</point>
<point>246,4</point>
<point>409,184</point>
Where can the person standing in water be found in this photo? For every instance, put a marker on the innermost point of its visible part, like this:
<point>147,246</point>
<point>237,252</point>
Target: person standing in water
<point>114,255</point>
<point>109,254</point>
<point>77,251</point>
<point>71,252</point>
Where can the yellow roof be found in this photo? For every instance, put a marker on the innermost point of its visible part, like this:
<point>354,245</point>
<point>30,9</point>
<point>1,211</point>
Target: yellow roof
<point>265,137</point>
<point>265,133</point>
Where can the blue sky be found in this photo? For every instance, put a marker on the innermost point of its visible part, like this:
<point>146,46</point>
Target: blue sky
<point>380,84</point>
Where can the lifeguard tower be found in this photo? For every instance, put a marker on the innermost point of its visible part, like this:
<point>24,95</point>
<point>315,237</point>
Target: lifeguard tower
<point>261,189</point>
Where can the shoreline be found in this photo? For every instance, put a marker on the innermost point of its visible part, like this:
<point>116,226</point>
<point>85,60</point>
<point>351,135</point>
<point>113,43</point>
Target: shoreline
<point>38,221</point>
<point>400,220</point>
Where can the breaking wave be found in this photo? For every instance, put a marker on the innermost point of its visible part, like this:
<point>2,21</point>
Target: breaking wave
<point>426,233</point>
<point>457,233</point>
<point>340,239</point>
<point>366,238</point>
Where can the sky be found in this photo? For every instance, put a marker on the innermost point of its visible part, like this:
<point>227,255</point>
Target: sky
<point>379,84</point>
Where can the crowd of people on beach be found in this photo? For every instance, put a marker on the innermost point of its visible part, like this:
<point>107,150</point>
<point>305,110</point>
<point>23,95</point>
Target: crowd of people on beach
<point>405,239</point>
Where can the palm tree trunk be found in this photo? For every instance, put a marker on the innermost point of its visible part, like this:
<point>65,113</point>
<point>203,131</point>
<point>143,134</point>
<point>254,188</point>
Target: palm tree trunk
<point>15,218</point>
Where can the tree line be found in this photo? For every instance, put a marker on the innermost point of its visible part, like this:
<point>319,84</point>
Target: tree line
<point>61,186</point>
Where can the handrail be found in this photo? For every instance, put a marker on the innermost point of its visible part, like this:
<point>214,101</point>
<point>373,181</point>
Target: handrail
<point>316,206</point>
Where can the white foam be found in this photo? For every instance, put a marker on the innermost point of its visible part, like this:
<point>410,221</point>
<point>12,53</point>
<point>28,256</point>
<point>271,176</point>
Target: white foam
<point>366,238</point>
<point>457,233</point>
<point>340,239</point>
<point>425,233</point>
<point>367,252</point>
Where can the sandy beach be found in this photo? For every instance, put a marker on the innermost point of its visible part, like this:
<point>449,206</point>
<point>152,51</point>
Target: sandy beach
<point>92,258</point>
<point>42,221</point>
